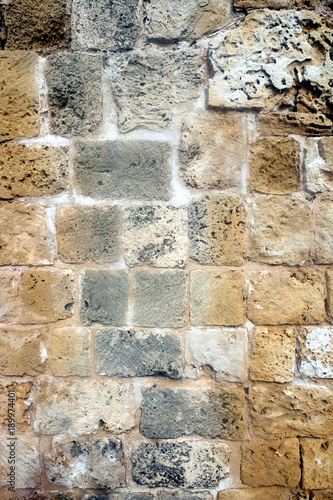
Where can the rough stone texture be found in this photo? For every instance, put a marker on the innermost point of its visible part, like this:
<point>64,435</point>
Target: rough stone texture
<point>159,298</point>
<point>23,351</point>
<point>47,296</point>
<point>294,123</point>
<point>319,164</point>
<point>72,407</point>
<point>217,230</point>
<point>181,464</point>
<point>24,235</point>
<point>139,170</point>
<point>155,235</point>
<point>184,495</point>
<point>285,296</point>
<point>273,493</point>
<point>291,411</point>
<point>316,352</point>
<point>271,463</point>
<point>216,298</point>
<point>274,4</point>
<point>18,95</point>
<point>74,93</point>
<point>323,231</point>
<point>170,413</point>
<point>329,288</point>
<point>131,353</point>
<point>21,406</point>
<point>104,297</point>
<point>317,463</point>
<point>212,150</point>
<point>273,354</point>
<point>274,165</point>
<point>35,24</point>
<point>86,462</point>
<point>147,86</point>
<point>27,466</point>
<point>322,495</point>
<point>32,170</point>
<point>224,351</point>
<point>120,496</point>
<point>9,296</point>
<point>174,20</point>
<point>71,352</point>
<point>89,234</point>
<point>281,230</point>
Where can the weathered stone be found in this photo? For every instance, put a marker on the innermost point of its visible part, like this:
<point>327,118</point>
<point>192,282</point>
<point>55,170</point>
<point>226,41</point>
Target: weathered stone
<point>18,95</point>
<point>24,235</point>
<point>62,496</point>
<point>47,295</point>
<point>84,407</point>
<point>271,463</point>
<point>130,353</point>
<point>273,354</point>
<point>319,164</point>
<point>89,233</point>
<point>272,493</point>
<point>159,298</point>
<point>139,170</point>
<point>329,288</point>
<point>170,413</point>
<point>223,350</point>
<point>120,496</point>
<point>22,403</point>
<point>294,123</point>
<point>274,165</point>
<point>147,86</point>
<point>315,353</point>
<point>217,230</point>
<point>182,464</point>
<point>74,92</point>
<point>216,298</point>
<point>155,235</point>
<point>281,230</point>
<point>86,462</point>
<point>23,351</point>
<point>284,296</point>
<point>317,463</point>
<point>71,352</point>
<point>291,411</point>
<point>9,296</point>
<point>175,20</point>
<point>36,25</point>
<point>27,466</point>
<point>184,495</point>
<point>104,297</point>
<point>274,4</point>
<point>322,495</point>
<point>323,231</point>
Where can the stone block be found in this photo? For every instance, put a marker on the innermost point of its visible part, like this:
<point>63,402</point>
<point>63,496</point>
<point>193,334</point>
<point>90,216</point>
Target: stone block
<point>317,463</point>
<point>294,123</point>
<point>322,495</point>
<point>23,351</point>
<point>120,496</point>
<point>9,296</point>
<point>319,164</point>
<point>27,466</point>
<point>315,352</point>
<point>323,231</point>
<point>71,352</point>
<point>184,495</point>
<point>22,405</point>
<point>271,493</point>
<point>275,4</point>
<point>329,289</point>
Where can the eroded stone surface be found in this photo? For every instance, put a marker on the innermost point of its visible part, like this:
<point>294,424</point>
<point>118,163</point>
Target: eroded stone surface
<point>274,4</point>
<point>27,466</point>
<point>21,408</point>
<point>120,496</point>
<point>71,352</point>
<point>23,351</point>
<point>316,352</point>
<point>319,164</point>
<point>294,123</point>
<point>329,288</point>
<point>9,296</point>
<point>317,463</point>
<point>273,493</point>
<point>185,495</point>
<point>323,231</point>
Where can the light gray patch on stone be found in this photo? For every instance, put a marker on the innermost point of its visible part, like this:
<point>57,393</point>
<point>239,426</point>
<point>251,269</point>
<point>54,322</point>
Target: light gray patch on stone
<point>184,495</point>
<point>120,496</point>
<point>316,352</point>
<point>319,164</point>
<point>27,467</point>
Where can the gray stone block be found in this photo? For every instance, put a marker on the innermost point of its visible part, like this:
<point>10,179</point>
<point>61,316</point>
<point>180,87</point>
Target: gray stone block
<point>185,495</point>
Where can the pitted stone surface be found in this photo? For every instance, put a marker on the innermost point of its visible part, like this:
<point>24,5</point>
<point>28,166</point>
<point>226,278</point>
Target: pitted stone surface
<point>9,296</point>
<point>22,405</point>
<point>185,495</point>
<point>120,496</point>
<point>23,351</point>
<point>71,352</point>
<point>294,123</point>
<point>319,164</point>
<point>27,464</point>
<point>274,4</point>
<point>316,352</point>
<point>272,493</point>
<point>323,231</point>
<point>317,463</point>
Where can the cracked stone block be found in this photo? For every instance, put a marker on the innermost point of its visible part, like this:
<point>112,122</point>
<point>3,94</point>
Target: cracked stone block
<point>319,164</point>
<point>317,464</point>
<point>323,230</point>
<point>71,352</point>
<point>315,352</point>
<point>286,123</point>
<point>23,351</point>
<point>271,493</point>
<point>27,466</point>
<point>22,404</point>
<point>9,296</point>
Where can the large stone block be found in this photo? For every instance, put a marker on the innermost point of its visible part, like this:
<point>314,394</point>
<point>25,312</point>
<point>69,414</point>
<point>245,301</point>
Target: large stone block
<point>317,463</point>
<point>271,493</point>
<point>21,406</point>
<point>71,352</point>
<point>23,351</point>
<point>27,466</point>
<point>315,352</point>
<point>294,123</point>
<point>9,296</point>
<point>323,231</point>
<point>319,164</point>
<point>139,170</point>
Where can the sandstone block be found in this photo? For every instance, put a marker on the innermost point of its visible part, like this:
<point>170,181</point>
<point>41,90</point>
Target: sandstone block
<point>317,463</point>
<point>24,235</point>
<point>9,296</point>
<point>147,86</point>
<point>271,463</point>
<point>274,165</point>
<point>291,411</point>
<point>84,407</point>
<point>18,95</point>
<point>271,493</point>
<point>286,296</point>
<point>273,354</point>
<point>21,406</point>
<point>294,123</point>
<point>47,296</point>
<point>322,495</point>
<point>74,92</point>
<point>23,351</point>
<point>223,350</point>
<point>329,288</point>
<point>319,164</point>
<point>139,170</point>
<point>323,231</point>
<point>86,462</point>
<point>170,413</point>
<point>27,466</point>
<point>182,464</point>
<point>89,234</point>
<point>218,230</point>
<point>104,297</point>
<point>159,298</point>
<point>184,495</point>
<point>274,4</point>
<point>71,352</point>
<point>120,496</point>
<point>216,298</point>
<point>131,353</point>
<point>315,354</point>
<point>155,235</point>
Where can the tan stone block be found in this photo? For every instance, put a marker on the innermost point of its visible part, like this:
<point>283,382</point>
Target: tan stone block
<point>329,288</point>
<point>71,352</point>
<point>18,95</point>
<point>274,4</point>
<point>32,170</point>
<point>317,463</point>
<point>273,355</point>
<point>27,466</point>
<point>21,405</point>
<point>273,493</point>
<point>319,164</point>
<point>24,235</point>
<point>294,123</point>
<point>283,296</point>
<point>291,411</point>
<point>47,295</point>
<point>9,296</point>
<point>216,298</point>
<point>315,352</point>
<point>212,150</point>
<point>323,231</point>
<point>271,463</point>
<point>322,495</point>
<point>23,351</point>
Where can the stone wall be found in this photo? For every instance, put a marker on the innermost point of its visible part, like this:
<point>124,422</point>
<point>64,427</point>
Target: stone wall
<point>166,251</point>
